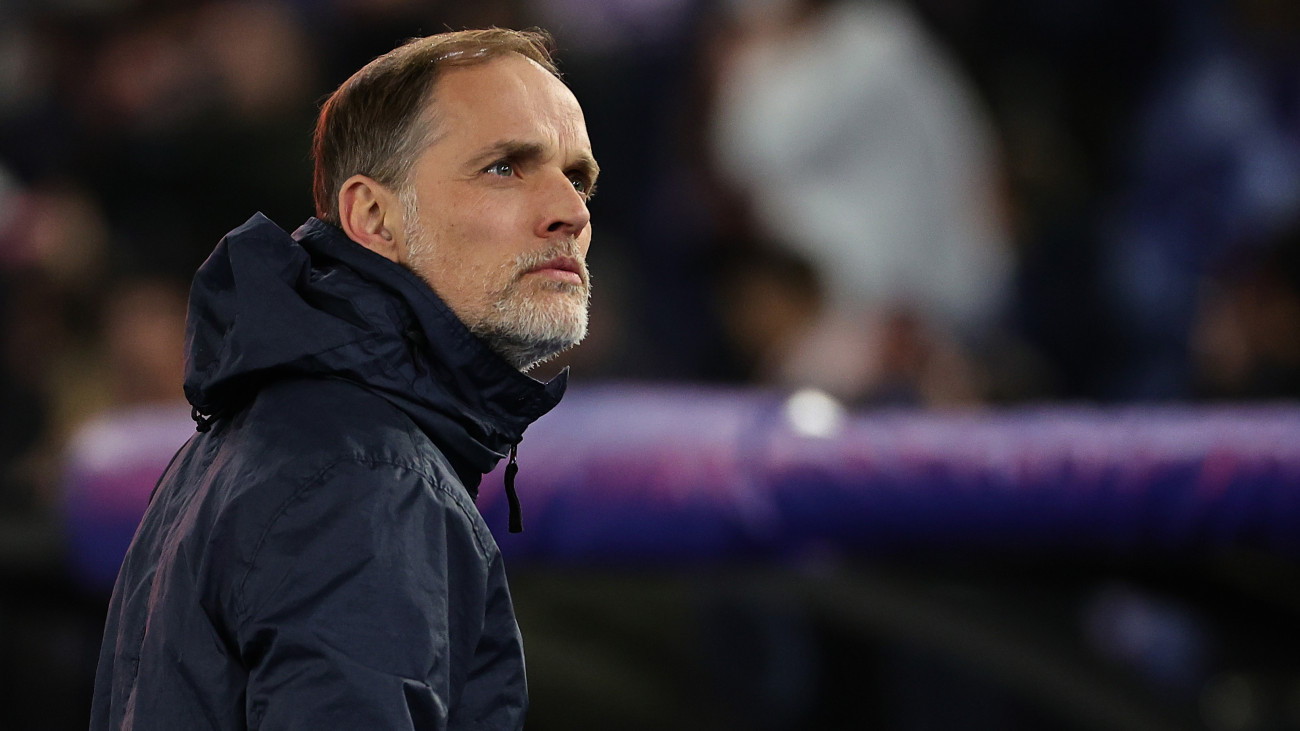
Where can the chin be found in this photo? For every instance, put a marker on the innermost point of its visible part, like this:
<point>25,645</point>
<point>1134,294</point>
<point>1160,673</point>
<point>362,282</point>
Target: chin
<point>527,332</point>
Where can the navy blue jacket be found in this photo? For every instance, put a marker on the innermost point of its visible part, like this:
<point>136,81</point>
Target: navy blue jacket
<point>312,558</point>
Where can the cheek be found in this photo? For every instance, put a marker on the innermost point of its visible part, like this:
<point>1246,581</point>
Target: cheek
<point>478,238</point>
<point>584,240</point>
<point>469,227</point>
<point>492,221</point>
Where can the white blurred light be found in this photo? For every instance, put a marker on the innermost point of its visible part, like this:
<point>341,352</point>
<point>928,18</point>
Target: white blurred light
<point>814,413</point>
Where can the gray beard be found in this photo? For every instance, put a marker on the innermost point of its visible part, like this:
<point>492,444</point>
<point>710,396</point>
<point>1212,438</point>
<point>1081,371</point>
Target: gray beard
<point>522,352</point>
<point>526,334</point>
<point>518,329</point>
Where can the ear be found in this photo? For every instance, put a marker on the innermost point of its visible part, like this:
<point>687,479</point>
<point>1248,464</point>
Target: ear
<point>370,215</point>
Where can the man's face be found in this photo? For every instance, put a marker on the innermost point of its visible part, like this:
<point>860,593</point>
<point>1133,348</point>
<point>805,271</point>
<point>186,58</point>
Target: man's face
<point>496,214</point>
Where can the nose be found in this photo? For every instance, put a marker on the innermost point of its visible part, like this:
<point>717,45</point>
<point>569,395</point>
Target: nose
<point>564,210</point>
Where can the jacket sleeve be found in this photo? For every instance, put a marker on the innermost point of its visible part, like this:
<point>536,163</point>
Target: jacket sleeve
<point>363,603</point>
<point>495,694</point>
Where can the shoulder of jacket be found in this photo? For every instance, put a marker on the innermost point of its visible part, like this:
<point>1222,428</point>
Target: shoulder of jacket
<point>294,440</point>
<point>317,421</point>
<point>355,509</point>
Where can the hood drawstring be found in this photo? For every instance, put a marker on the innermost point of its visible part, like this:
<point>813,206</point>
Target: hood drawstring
<point>512,469</point>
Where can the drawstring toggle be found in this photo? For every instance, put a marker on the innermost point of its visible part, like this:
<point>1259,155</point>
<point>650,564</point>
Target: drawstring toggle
<point>512,469</point>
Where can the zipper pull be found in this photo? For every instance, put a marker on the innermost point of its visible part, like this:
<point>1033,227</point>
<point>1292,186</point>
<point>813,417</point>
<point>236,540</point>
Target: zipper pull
<point>512,469</point>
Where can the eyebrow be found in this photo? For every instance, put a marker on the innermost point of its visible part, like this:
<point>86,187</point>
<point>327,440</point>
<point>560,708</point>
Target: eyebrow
<point>586,164</point>
<point>531,152</point>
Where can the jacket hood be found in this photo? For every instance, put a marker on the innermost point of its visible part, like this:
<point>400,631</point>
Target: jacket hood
<point>266,305</point>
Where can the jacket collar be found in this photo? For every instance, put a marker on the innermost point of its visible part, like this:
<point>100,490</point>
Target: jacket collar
<point>319,304</point>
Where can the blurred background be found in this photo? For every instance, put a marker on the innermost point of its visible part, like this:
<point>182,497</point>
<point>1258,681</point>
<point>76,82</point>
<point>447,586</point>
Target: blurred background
<point>948,209</point>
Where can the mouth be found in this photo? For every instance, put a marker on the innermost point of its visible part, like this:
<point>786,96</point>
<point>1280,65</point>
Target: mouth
<point>561,269</point>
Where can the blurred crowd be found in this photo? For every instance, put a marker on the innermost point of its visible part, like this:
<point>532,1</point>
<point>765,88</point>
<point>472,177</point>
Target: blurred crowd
<point>924,202</point>
<point>929,203</point>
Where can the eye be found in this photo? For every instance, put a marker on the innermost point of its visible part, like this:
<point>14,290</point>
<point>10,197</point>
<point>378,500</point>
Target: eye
<point>582,185</point>
<point>503,168</point>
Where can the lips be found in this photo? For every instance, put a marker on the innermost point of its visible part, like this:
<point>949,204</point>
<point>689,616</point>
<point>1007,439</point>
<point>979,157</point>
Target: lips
<point>560,268</point>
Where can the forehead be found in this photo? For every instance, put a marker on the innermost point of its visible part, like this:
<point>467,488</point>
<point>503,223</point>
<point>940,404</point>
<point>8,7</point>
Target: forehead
<point>510,97</point>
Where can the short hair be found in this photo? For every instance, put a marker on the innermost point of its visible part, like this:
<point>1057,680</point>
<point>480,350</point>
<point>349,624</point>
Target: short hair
<point>374,123</point>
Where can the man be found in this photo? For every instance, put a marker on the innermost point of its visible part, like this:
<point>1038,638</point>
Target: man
<point>312,558</point>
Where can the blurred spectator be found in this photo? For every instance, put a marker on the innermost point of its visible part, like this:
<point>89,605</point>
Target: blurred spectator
<point>1059,78</point>
<point>1245,339</point>
<point>773,310</point>
<point>858,142</point>
<point>52,259</point>
<point>192,118</point>
<point>1212,179</point>
<point>768,299</point>
<point>143,336</point>
<point>114,460</point>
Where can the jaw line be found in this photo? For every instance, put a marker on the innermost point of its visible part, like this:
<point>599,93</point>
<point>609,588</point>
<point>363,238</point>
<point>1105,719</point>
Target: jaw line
<point>526,328</point>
